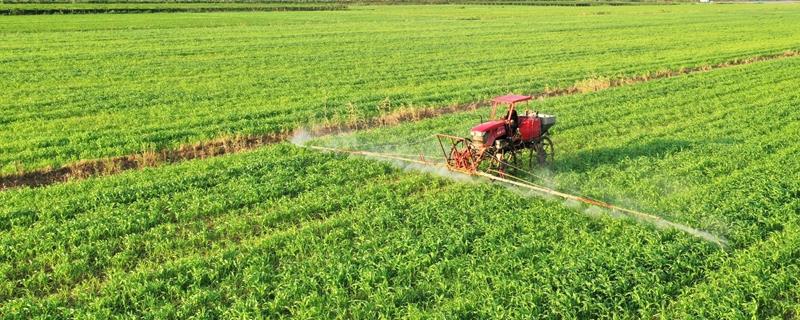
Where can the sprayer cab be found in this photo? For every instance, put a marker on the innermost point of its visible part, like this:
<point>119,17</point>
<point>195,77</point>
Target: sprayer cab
<point>529,127</point>
<point>501,138</point>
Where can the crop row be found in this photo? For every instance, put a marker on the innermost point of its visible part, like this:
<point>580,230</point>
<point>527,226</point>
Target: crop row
<point>86,87</point>
<point>761,282</point>
<point>284,231</point>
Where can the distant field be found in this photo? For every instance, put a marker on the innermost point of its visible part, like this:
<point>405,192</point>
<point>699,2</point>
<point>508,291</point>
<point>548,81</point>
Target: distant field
<point>90,8</point>
<point>284,2</point>
<point>114,5</point>
<point>90,86</point>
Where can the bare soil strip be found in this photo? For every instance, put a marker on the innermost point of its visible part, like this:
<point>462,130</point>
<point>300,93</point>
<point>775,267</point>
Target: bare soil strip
<point>234,144</point>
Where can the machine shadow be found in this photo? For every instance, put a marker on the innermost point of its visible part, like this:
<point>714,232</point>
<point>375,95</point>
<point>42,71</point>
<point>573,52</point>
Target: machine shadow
<point>583,161</point>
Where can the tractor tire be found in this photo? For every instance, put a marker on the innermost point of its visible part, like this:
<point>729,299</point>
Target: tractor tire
<point>500,161</point>
<point>545,152</point>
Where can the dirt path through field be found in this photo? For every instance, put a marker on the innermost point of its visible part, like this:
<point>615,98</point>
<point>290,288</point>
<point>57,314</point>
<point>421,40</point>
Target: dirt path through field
<point>234,144</point>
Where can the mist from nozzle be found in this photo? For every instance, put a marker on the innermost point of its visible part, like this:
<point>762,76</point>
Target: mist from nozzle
<point>300,137</point>
<point>349,144</point>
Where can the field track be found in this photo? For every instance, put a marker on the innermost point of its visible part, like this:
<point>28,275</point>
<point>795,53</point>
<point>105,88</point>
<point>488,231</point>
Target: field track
<point>226,145</point>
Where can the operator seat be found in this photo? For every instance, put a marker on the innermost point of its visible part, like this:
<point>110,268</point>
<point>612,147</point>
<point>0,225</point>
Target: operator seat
<point>511,129</point>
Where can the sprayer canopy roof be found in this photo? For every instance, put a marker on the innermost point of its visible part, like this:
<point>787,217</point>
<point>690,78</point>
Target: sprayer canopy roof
<point>511,98</point>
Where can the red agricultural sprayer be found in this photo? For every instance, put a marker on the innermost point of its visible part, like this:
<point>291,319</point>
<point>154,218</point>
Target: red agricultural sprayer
<point>495,144</point>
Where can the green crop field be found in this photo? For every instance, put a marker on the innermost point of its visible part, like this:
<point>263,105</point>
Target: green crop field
<point>89,86</point>
<point>289,231</point>
<point>296,233</point>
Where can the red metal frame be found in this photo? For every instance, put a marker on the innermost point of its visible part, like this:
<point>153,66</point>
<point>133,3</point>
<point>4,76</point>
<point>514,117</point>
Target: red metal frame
<point>461,156</point>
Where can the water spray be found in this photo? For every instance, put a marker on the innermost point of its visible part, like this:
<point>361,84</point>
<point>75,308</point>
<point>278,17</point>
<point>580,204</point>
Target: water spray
<point>424,165</point>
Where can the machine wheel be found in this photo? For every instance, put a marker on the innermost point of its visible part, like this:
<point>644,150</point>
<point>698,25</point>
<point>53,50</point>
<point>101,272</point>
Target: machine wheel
<point>532,153</point>
<point>545,152</point>
<point>461,155</point>
<point>500,161</point>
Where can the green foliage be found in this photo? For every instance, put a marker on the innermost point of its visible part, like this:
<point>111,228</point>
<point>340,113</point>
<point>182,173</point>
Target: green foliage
<point>91,86</point>
<point>761,282</point>
<point>283,231</point>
